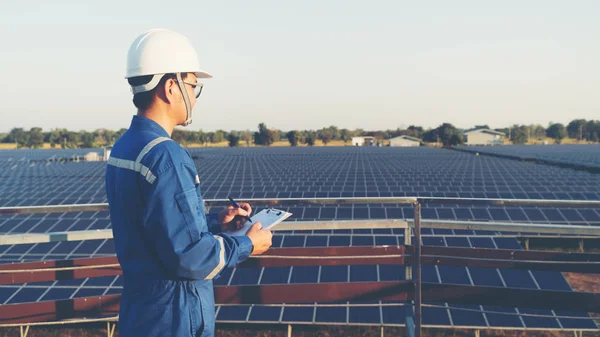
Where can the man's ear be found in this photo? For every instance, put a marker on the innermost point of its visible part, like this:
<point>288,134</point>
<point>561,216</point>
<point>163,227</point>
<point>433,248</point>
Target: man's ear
<point>170,91</point>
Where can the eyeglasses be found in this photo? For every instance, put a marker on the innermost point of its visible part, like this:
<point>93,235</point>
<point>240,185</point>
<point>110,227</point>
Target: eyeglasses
<point>196,86</point>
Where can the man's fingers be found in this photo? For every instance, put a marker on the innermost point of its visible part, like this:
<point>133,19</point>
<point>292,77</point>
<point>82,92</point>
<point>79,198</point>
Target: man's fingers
<point>241,212</point>
<point>246,206</point>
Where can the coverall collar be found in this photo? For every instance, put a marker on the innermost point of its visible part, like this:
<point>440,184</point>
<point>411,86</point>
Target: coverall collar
<point>146,124</point>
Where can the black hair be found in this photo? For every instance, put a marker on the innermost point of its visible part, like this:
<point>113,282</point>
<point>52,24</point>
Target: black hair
<point>142,100</point>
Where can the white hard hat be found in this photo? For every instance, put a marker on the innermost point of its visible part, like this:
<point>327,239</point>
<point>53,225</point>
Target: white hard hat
<point>161,51</point>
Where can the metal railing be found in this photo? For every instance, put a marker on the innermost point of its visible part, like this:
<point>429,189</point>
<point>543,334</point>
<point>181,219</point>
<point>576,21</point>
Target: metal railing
<point>416,223</point>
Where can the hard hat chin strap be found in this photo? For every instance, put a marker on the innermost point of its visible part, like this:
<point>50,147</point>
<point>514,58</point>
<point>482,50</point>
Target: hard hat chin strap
<point>186,99</point>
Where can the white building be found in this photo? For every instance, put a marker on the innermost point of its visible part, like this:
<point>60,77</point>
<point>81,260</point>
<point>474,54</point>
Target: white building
<point>405,141</point>
<point>363,141</point>
<point>484,137</point>
<point>92,156</point>
<point>107,150</point>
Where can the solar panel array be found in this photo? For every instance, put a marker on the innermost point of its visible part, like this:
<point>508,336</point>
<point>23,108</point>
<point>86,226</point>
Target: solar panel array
<point>585,155</point>
<point>44,154</point>
<point>320,172</point>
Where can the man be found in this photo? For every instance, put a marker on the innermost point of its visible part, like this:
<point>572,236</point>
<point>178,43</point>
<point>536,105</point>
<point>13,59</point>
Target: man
<point>169,249</point>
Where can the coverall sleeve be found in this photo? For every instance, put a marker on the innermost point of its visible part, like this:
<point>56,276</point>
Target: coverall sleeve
<point>175,223</point>
<point>212,219</point>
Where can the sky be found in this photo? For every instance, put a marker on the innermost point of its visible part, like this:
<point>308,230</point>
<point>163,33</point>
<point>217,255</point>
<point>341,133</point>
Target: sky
<point>309,64</point>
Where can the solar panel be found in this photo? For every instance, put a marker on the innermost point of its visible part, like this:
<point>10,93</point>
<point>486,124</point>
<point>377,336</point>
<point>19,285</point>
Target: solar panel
<point>318,172</point>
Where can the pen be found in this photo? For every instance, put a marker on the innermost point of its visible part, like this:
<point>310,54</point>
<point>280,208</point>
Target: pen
<point>236,205</point>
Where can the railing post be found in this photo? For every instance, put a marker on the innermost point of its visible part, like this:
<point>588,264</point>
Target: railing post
<point>407,242</point>
<point>417,269</point>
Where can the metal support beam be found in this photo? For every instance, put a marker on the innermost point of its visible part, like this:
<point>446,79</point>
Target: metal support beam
<point>110,329</point>
<point>24,331</point>
<point>569,229</point>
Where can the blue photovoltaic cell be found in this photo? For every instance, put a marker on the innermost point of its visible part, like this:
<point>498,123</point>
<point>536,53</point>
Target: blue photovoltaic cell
<point>58,294</point>
<point>485,277</point>
<point>342,241</point>
<point>331,314</point>
<point>509,319</point>
<point>6,292</point>
<point>575,323</point>
<point>87,292</point>
<point>517,278</point>
<point>367,315</point>
<point>482,242</point>
<point>539,322</point>
<point>391,273</point>
<point>435,316</point>
<point>466,318</point>
<point>429,274</point>
<point>298,314</point>
<point>334,274</point>
<point>551,280</point>
<point>394,314</point>
<point>316,241</point>
<point>305,274</point>
<point>27,295</point>
<point>360,273</point>
<point>245,276</point>
<point>454,275</point>
<point>233,313</point>
<point>275,275</point>
<point>265,314</point>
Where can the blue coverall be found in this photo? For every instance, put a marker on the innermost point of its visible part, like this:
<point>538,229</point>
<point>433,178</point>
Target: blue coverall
<point>168,247</point>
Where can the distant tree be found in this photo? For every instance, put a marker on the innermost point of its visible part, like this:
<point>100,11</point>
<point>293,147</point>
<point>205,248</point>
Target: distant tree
<point>455,139</point>
<point>537,131</point>
<point>233,139</point>
<point>3,137</point>
<point>594,137</point>
<point>589,128</point>
<point>36,138</point>
<point>87,139</point>
<point>325,135</point>
<point>18,136</point>
<point>310,137</point>
<point>264,136</point>
<point>69,139</point>
<point>293,137</point>
<point>179,136</point>
<point>110,137</point>
<point>246,136</point>
<point>345,135</point>
<point>557,132</point>
<point>191,137</point>
<point>575,128</point>
<point>415,131</point>
<point>218,136</point>
<point>202,137</point>
<point>519,134</point>
<point>484,126</point>
<point>446,133</point>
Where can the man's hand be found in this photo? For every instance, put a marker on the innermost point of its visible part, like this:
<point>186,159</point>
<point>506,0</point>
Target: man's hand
<point>261,238</point>
<point>232,218</point>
